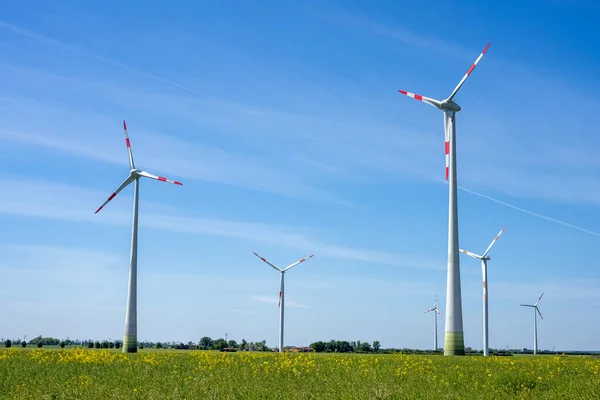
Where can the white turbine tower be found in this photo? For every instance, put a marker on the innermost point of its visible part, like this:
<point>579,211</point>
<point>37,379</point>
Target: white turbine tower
<point>454,342</point>
<point>436,311</point>
<point>484,259</point>
<point>282,294</point>
<point>535,308</point>
<point>130,336</point>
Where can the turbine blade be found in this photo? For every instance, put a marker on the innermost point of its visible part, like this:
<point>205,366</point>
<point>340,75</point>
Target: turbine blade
<point>298,262</point>
<point>527,305</point>
<point>112,196</point>
<point>435,302</point>
<point>158,178</point>
<point>538,300</point>
<point>272,265</point>
<point>538,310</point>
<point>471,254</point>
<point>493,241</point>
<point>131,164</point>
<point>462,81</point>
<point>447,150</point>
<point>280,291</point>
<point>432,102</point>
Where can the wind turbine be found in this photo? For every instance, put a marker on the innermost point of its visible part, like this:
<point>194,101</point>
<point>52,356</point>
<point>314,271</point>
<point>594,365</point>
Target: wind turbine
<point>484,259</point>
<point>454,342</point>
<point>436,311</point>
<point>130,336</point>
<point>535,308</point>
<point>281,293</point>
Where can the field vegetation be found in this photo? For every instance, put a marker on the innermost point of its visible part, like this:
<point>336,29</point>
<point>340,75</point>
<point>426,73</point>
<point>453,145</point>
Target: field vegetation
<point>39,373</point>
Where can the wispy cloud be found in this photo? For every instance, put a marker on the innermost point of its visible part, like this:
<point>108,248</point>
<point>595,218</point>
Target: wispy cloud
<point>275,300</point>
<point>172,156</point>
<point>341,16</point>
<point>55,43</point>
<point>527,293</point>
<point>31,267</point>
<point>51,200</point>
<point>339,149</point>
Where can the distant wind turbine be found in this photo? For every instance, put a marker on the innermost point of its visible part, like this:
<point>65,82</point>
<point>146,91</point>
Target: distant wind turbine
<point>484,259</point>
<point>454,341</point>
<point>436,311</point>
<point>281,293</point>
<point>535,308</point>
<point>130,336</point>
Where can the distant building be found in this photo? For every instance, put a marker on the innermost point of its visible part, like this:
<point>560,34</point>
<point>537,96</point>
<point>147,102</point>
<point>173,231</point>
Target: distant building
<point>299,349</point>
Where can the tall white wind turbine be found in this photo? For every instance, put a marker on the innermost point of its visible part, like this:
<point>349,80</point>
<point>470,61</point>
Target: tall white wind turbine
<point>281,293</point>
<point>436,311</point>
<point>130,336</point>
<point>484,259</point>
<point>454,342</point>
<point>535,308</point>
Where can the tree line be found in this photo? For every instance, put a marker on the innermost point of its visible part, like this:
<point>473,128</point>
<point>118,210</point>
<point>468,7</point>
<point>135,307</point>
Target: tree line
<point>344,346</point>
<point>205,343</point>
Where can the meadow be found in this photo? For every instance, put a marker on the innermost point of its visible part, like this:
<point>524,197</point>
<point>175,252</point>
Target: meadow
<point>169,374</point>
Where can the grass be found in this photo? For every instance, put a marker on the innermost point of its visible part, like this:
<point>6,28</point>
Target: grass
<point>165,374</point>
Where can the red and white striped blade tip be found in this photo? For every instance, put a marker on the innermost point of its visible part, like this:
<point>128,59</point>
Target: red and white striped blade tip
<point>304,259</point>
<point>478,58</point>
<point>413,95</point>
<point>163,179</point>
<point>112,196</point>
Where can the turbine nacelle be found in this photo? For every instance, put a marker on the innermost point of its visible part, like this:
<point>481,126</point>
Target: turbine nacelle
<point>449,105</point>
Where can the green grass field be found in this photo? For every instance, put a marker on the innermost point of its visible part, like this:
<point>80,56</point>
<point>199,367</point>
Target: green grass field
<point>167,374</point>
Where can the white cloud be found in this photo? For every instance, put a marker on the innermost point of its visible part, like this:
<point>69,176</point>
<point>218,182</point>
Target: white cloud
<point>50,200</point>
<point>275,300</point>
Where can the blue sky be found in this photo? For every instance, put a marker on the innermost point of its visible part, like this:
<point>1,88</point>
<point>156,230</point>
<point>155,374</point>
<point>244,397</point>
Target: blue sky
<point>284,123</point>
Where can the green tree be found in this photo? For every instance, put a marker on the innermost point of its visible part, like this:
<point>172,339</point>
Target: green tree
<point>206,343</point>
<point>8,343</point>
<point>40,344</point>
<point>364,347</point>
<point>319,347</point>
<point>23,344</point>
<point>376,346</point>
<point>219,344</point>
<point>232,343</point>
<point>244,345</point>
<point>345,347</point>
<point>332,346</point>
<point>62,345</point>
<point>159,345</point>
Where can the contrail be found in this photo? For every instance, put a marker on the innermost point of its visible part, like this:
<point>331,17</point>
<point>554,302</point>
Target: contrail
<point>530,212</point>
<point>507,204</point>
<point>55,43</point>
